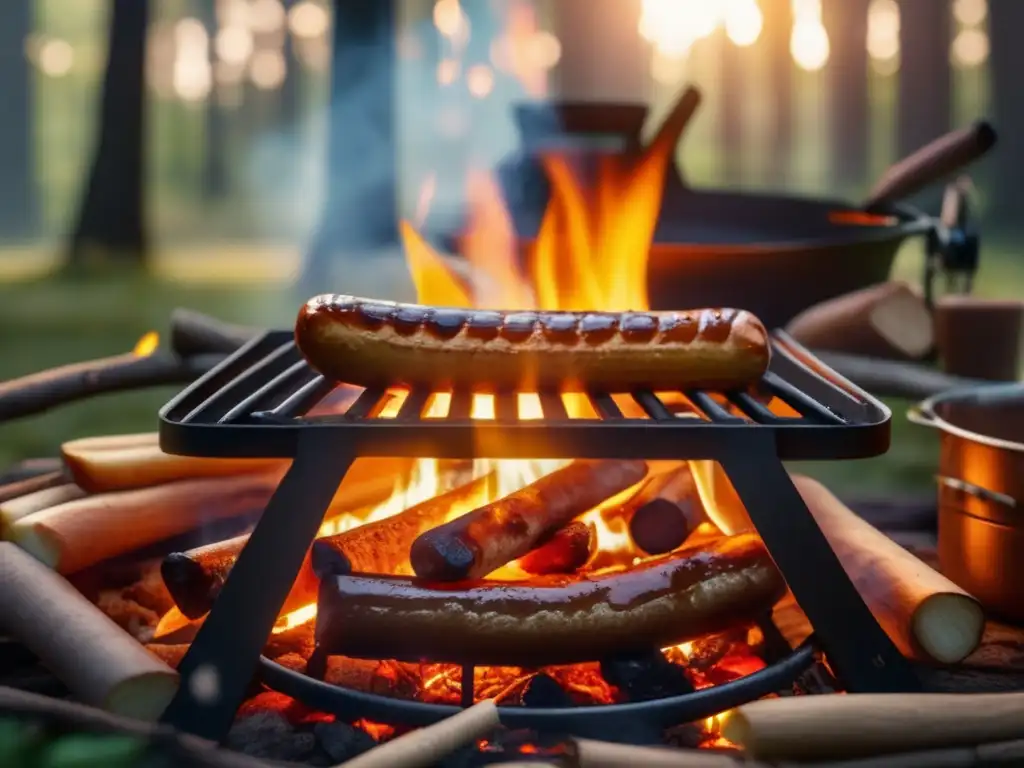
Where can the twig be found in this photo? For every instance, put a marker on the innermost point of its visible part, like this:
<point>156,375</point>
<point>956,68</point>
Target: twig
<point>425,747</point>
<point>28,470</point>
<point>193,333</point>
<point>67,715</point>
<point>39,392</point>
<point>17,488</point>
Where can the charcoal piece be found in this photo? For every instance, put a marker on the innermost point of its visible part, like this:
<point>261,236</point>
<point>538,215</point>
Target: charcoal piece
<point>269,735</point>
<point>543,692</point>
<point>342,741</point>
<point>646,677</point>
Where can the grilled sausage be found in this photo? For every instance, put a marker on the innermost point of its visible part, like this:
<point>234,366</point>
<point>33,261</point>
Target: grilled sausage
<point>481,541</point>
<point>550,619</point>
<point>379,343</point>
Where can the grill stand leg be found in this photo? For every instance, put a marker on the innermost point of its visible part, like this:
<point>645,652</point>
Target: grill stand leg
<point>858,650</point>
<point>218,668</point>
<point>467,685</point>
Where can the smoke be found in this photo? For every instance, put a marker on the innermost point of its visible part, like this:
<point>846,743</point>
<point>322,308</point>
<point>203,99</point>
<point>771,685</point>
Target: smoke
<point>336,183</point>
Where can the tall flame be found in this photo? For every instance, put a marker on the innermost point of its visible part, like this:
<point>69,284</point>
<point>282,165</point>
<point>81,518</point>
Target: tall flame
<point>590,253</point>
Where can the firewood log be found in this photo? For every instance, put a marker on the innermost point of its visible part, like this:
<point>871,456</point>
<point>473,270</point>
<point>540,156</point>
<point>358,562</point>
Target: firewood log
<point>119,462</point>
<point>926,615</point>
<point>100,663</point>
<point>72,536</point>
<point>426,746</point>
<point>889,321</point>
<point>15,509</point>
<point>854,725</point>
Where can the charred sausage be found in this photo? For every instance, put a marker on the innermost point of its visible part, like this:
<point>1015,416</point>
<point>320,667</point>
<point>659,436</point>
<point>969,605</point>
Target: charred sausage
<point>481,541</point>
<point>379,343</point>
<point>550,619</point>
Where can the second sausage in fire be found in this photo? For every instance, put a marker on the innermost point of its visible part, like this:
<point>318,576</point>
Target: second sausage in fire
<point>551,619</point>
<point>474,545</point>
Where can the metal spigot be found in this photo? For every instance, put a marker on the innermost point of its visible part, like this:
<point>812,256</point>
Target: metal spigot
<point>954,246</point>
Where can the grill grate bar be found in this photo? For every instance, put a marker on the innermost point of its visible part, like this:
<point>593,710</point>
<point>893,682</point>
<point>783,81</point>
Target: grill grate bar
<point>712,409</point>
<point>368,402</point>
<point>304,399</point>
<point>605,406</point>
<point>652,406</point>
<point>226,395</point>
<point>552,406</point>
<point>799,401</point>
<point>252,403</point>
<point>461,405</point>
<point>757,410</point>
<point>415,402</point>
<point>506,406</point>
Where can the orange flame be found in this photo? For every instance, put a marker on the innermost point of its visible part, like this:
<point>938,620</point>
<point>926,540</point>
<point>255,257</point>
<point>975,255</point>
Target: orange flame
<point>590,253</point>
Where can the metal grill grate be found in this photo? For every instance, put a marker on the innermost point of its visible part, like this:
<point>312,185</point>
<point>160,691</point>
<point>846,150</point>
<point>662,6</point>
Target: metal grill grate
<point>257,400</point>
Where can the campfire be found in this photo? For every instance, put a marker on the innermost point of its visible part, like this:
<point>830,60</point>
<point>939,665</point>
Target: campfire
<point>589,255</point>
<point>385,605</point>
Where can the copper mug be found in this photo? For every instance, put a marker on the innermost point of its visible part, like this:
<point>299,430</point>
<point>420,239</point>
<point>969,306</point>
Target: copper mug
<point>979,338</point>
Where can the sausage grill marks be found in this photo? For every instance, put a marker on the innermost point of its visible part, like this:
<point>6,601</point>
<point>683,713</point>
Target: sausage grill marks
<point>712,325</point>
<point>378,343</point>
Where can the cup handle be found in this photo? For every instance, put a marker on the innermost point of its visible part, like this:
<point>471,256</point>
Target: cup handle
<point>922,415</point>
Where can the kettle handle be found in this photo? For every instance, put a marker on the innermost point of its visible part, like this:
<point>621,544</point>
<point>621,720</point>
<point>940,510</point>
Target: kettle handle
<point>922,414</point>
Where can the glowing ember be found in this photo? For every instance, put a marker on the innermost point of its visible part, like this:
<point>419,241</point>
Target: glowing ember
<point>147,345</point>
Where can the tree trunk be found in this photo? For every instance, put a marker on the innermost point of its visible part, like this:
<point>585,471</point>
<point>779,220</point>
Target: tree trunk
<point>111,218</point>
<point>216,179</point>
<point>731,84</point>
<point>1006,20</point>
<point>778,26</point>
<point>925,101</point>
<point>360,204</point>
<point>847,25</point>
<point>18,213</point>
<point>290,92</point>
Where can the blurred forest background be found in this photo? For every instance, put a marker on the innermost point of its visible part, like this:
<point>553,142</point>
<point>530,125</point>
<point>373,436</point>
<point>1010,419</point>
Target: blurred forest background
<point>161,153</point>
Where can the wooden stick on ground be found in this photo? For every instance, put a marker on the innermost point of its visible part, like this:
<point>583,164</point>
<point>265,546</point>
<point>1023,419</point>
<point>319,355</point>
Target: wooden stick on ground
<point>193,333</point>
<point>926,615</point>
<point>99,662</point>
<point>601,754</point>
<point>117,463</point>
<point>63,715</point>
<point>81,533</point>
<point>828,727</point>
<point>41,391</point>
<point>889,320</point>
<point>22,487</point>
<point>28,469</point>
<point>14,510</point>
<point>425,747</point>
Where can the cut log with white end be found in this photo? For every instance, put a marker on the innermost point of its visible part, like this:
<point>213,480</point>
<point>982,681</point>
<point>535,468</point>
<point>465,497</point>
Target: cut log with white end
<point>98,661</point>
<point>889,321</point>
<point>926,615</point>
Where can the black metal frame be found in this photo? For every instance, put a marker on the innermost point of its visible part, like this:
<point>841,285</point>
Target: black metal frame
<point>253,405</point>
